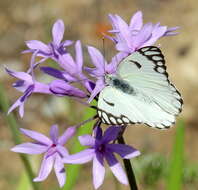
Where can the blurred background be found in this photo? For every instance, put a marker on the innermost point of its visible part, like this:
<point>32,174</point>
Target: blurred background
<point>22,20</point>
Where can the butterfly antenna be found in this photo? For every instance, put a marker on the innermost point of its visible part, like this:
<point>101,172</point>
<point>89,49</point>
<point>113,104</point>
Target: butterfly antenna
<point>103,49</point>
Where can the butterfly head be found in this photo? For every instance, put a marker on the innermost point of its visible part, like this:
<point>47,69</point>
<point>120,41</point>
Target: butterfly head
<point>108,78</point>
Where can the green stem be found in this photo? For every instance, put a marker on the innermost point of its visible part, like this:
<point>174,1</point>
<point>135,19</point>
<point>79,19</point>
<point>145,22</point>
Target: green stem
<point>128,168</point>
<point>10,119</point>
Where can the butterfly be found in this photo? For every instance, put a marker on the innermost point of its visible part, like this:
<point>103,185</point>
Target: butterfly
<point>140,92</point>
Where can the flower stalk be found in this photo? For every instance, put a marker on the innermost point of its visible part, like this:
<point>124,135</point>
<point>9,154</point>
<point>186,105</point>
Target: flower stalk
<point>128,168</point>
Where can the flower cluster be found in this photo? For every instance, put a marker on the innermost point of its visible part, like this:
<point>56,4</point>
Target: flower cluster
<point>69,71</point>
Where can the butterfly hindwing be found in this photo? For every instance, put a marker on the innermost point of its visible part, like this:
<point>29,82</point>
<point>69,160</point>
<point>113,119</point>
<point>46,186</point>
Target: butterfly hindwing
<point>155,101</point>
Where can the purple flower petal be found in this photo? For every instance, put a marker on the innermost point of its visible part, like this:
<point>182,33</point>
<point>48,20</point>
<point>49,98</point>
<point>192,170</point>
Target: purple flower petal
<point>38,45</point>
<point>172,31</point>
<point>111,159</point>
<point>62,88</point>
<point>46,167</point>
<point>54,133</point>
<point>67,63</point>
<point>58,32</point>
<point>51,151</point>
<point>156,34</point>
<point>30,148</point>
<point>20,102</point>
<point>124,30</point>
<point>59,170</point>
<point>111,134</point>
<point>112,66</point>
<point>143,35</point>
<point>36,136</point>
<point>69,133</point>
<point>79,55</point>
<point>136,22</point>
<point>98,133</point>
<point>116,168</point>
<point>94,72</point>
<point>124,151</point>
<point>98,173</point>
<point>67,43</point>
<point>119,173</point>
<point>97,58</point>
<point>53,72</point>
<point>81,157</point>
<point>15,105</point>
<point>86,140</point>
<point>123,47</point>
<point>98,87</point>
<point>20,75</point>
<point>21,109</point>
<point>41,88</point>
<point>62,150</point>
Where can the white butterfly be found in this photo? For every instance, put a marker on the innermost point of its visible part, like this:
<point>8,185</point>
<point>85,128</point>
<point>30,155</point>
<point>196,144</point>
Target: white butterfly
<point>140,92</point>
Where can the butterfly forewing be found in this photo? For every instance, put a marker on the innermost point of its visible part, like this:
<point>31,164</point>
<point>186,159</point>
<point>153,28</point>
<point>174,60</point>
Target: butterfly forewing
<point>153,101</point>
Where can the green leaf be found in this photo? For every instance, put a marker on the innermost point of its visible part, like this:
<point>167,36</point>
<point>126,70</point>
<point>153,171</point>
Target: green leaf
<point>175,173</point>
<point>74,170</point>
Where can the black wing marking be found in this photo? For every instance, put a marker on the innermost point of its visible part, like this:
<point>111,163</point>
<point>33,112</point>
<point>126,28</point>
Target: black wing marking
<point>109,119</point>
<point>155,55</point>
<point>109,103</point>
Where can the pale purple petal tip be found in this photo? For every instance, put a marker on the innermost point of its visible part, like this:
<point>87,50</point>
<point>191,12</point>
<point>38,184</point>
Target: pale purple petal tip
<point>79,55</point>
<point>96,57</point>
<point>98,173</point>
<point>69,133</point>
<point>36,136</point>
<point>14,106</point>
<point>54,133</point>
<point>86,140</point>
<point>119,173</point>
<point>58,32</point>
<point>98,87</point>
<point>38,45</point>
<point>123,150</point>
<point>80,158</point>
<point>20,75</point>
<point>46,167</point>
<point>30,148</point>
<point>60,170</point>
<point>136,22</point>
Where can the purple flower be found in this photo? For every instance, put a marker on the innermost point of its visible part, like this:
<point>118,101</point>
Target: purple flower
<point>27,85</point>
<point>74,67</point>
<point>101,149</point>
<point>52,49</point>
<point>53,148</point>
<point>101,68</point>
<point>129,38</point>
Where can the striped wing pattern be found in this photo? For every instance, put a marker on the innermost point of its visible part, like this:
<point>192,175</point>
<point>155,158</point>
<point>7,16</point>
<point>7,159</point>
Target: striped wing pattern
<point>154,101</point>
